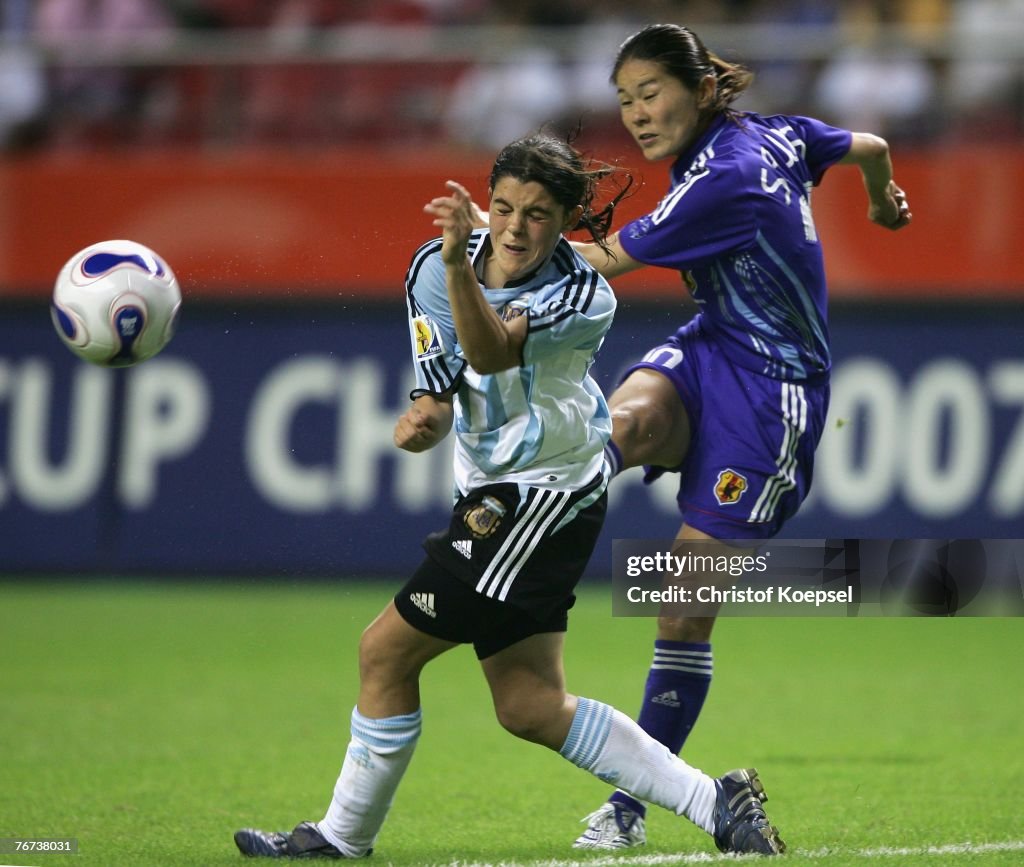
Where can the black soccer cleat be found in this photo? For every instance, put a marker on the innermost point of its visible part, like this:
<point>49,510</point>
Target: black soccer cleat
<point>740,822</point>
<point>305,841</point>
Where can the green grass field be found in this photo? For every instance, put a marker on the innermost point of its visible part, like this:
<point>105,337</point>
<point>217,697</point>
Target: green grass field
<point>150,721</point>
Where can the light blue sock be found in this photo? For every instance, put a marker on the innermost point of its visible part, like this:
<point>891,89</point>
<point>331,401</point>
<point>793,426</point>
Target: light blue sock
<point>612,747</point>
<point>375,762</point>
<point>677,685</point>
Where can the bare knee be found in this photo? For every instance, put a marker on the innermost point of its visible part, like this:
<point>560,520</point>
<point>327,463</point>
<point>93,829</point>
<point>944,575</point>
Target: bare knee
<point>649,422</point>
<point>537,720</point>
<point>523,722</point>
<point>642,425</point>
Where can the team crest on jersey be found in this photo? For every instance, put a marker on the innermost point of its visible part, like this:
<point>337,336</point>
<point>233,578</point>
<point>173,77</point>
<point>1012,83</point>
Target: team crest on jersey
<point>730,487</point>
<point>483,519</point>
<point>512,311</point>
<point>427,336</point>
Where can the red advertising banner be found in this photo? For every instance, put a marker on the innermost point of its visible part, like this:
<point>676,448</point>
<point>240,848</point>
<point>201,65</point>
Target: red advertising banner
<point>342,224</point>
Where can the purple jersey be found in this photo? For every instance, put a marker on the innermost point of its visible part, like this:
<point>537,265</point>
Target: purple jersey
<point>737,222</point>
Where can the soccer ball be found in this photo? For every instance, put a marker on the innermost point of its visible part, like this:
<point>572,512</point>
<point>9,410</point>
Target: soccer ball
<point>115,303</point>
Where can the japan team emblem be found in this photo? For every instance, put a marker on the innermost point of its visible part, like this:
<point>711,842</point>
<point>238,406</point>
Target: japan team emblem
<point>427,337</point>
<point>730,487</point>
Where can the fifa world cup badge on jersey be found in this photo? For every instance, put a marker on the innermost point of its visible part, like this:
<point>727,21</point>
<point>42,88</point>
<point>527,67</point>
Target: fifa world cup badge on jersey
<point>427,336</point>
<point>730,487</point>
<point>483,519</point>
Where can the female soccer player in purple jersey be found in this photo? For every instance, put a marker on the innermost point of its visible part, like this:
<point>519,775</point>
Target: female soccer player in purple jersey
<point>504,323</point>
<point>735,400</point>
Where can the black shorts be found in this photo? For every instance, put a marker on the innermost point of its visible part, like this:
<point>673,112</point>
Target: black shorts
<point>506,566</point>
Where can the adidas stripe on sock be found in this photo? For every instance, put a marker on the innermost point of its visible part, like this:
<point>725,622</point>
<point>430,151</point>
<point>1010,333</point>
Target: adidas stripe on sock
<point>677,685</point>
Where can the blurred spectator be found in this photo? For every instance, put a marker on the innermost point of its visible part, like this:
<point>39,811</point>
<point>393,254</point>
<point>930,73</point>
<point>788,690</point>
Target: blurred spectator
<point>376,101</point>
<point>876,84</point>
<point>23,90</point>
<point>591,91</point>
<point>784,83</point>
<point>234,14</point>
<point>906,68</point>
<point>986,80</point>
<point>496,102</point>
<point>102,103</point>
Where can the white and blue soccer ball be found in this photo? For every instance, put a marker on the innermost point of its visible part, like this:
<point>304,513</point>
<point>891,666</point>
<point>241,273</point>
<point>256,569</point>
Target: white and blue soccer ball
<point>116,303</point>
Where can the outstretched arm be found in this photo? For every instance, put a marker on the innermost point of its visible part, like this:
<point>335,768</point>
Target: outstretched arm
<point>887,203</point>
<point>610,262</point>
<point>425,423</point>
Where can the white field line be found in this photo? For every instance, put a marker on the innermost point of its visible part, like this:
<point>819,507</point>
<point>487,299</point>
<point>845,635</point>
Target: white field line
<point>874,853</point>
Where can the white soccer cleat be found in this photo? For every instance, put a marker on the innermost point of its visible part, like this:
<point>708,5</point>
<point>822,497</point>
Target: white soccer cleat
<point>612,826</point>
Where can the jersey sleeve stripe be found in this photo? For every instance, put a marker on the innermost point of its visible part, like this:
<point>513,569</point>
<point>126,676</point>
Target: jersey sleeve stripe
<point>583,279</point>
<point>438,376</point>
<point>419,257</point>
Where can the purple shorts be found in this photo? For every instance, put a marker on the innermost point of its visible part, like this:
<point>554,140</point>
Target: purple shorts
<point>753,438</point>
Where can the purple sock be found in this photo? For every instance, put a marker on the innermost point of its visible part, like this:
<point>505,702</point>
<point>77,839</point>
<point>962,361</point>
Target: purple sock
<point>677,685</point>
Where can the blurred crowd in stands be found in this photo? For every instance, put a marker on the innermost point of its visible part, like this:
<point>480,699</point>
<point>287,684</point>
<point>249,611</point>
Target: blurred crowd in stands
<point>87,74</point>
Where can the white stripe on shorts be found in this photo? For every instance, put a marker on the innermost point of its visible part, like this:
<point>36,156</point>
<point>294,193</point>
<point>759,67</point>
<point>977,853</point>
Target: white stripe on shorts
<point>794,418</point>
<point>521,542</point>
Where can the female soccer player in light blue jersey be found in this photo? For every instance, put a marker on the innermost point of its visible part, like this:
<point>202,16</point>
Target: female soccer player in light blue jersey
<point>504,325</point>
<point>735,400</point>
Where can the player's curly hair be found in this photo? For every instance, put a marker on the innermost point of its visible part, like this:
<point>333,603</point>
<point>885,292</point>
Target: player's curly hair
<point>683,55</point>
<point>571,178</point>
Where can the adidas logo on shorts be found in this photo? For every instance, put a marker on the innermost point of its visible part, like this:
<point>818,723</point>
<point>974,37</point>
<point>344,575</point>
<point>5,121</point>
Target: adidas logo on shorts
<point>425,603</point>
<point>669,699</point>
<point>464,547</point>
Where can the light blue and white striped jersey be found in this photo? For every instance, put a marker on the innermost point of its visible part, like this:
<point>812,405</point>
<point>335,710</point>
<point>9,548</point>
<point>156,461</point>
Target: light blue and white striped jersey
<point>544,424</point>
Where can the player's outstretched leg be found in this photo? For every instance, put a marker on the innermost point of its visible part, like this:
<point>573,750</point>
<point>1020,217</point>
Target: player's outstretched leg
<point>375,761</point>
<point>740,821</point>
<point>674,693</point>
<point>609,745</point>
<point>305,841</point>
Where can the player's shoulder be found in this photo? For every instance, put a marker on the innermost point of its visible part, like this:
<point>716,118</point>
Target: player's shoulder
<point>745,131</point>
<point>741,137</point>
<point>421,259</point>
<point>714,171</point>
<point>787,126</point>
<point>428,254</point>
<point>580,279</point>
<point>750,139</point>
<point>567,261</point>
